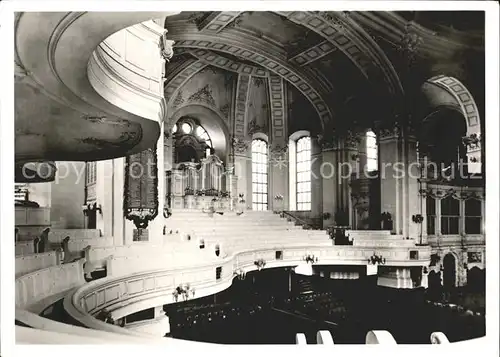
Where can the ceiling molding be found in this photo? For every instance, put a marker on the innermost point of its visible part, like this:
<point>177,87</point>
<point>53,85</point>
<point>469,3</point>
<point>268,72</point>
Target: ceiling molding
<point>361,50</point>
<point>278,109</point>
<point>312,54</point>
<point>464,99</point>
<point>266,56</point>
<point>217,21</point>
<point>217,60</point>
<point>242,91</point>
<point>182,77</point>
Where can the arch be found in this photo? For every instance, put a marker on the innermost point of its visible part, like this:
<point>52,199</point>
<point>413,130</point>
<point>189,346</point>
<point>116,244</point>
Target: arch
<point>450,93</point>
<point>217,60</point>
<point>210,119</point>
<point>350,38</point>
<point>476,279</point>
<point>271,59</point>
<point>260,136</point>
<point>450,270</point>
<point>177,79</point>
<point>298,134</point>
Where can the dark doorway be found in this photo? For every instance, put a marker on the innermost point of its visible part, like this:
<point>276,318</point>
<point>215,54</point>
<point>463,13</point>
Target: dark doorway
<point>449,274</point>
<point>92,219</point>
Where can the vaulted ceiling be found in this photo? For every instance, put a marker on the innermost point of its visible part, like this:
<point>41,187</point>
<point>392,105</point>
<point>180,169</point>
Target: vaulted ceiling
<point>335,59</point>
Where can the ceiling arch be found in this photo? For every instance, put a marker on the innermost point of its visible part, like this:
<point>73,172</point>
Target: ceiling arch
<point>265,55</point>
<point>343,32</point>
<point>210,119</point>
<point>217,60</point>
<point>173,83</point>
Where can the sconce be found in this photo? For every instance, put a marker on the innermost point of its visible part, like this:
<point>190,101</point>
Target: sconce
<point>240,274</point>
<point>183,290</point>
<point>85,209</point>
<point>167,212</point>
<point>91,207</point>
<point>376,259</point>
<point>260,263</point>
<point>417,218</point>
<point>309,258</point>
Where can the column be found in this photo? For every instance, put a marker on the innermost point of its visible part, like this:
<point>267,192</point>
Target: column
<point>242,173</point>
<point>327,173</point>
<point>278,175</point>
<point>316,179</point>
<point>399,172</point>
<point>278,142</point>
<point>423,234</point>
<point>340,155</point>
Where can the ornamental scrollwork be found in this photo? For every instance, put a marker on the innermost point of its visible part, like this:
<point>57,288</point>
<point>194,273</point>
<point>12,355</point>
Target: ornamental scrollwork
<point>240,145</point>
<point>456,193</point>
<point>279,150</point>
<point>472,141</point>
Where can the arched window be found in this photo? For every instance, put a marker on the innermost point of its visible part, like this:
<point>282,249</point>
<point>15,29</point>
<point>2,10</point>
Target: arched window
<point>259,175</point>
<point>202,134</point>
<point>371,151</point>
<point>303,173</point>
<point>450,215</point>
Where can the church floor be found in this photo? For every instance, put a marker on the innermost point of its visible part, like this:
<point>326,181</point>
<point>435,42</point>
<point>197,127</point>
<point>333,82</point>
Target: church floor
<point>260,310</point>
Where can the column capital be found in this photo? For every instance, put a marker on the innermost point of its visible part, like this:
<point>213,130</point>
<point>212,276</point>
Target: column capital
<point>395,130</point>
<point>345,139</point>
<point>240,145</point>
<point>278,149</point>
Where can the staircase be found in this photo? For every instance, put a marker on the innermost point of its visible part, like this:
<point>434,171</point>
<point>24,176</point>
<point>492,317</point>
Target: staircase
<point>252,229</point>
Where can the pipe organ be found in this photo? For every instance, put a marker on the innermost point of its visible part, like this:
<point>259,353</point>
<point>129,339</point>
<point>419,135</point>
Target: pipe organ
<point>199,185</point>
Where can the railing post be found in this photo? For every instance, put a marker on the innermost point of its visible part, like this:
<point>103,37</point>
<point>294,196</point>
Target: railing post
<point>300,339</point>
<point>324,337</point>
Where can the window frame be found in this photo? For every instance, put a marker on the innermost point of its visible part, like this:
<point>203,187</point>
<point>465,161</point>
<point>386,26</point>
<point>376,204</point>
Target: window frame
<point>260,175</point>
<point>303,180</point>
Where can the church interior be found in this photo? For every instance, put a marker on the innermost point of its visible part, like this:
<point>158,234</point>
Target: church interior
<point>250,177</point>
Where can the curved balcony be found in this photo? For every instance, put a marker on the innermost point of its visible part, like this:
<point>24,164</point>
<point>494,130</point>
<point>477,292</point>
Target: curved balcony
<point>55,95</point>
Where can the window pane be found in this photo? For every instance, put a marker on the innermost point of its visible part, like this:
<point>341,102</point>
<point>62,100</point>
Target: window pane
<point>259,175</point>
<point>303,173</point>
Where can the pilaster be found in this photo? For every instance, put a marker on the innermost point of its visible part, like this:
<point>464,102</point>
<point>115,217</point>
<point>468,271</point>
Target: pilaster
<point>278,169</point>
<point>340,161</point>
<point>399,173</point>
